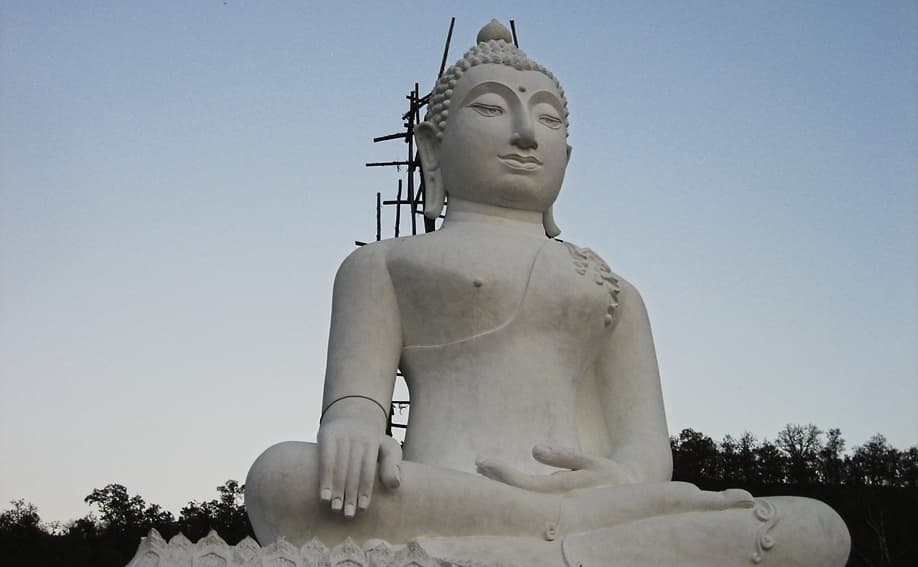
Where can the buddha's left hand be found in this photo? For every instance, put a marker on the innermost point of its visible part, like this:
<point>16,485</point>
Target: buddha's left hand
<point>581,471</point>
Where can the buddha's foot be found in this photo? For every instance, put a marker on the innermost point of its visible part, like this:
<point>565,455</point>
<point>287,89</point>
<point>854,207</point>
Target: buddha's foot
<point>781,531</point>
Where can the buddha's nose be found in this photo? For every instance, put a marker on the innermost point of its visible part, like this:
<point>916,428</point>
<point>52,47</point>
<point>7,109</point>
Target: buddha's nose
<point>523,133</point>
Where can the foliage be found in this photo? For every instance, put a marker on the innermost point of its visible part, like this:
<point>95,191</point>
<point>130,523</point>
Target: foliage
<point>122,514</point>
<point>21,520</point>
<point>801,455</point>
<point>876,463</point>
<point>226,515</point>
<point>801,444</point>
<point>110,538</point>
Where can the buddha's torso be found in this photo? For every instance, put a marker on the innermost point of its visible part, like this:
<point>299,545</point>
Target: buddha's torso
<point>498,328</point>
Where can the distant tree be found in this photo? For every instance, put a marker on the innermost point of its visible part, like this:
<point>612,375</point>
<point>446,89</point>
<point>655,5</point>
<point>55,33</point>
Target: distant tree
<point>695,457</point>
<point>728,469</point>
<point>226,515</point>
<point>908,467</point>
<point>875,463</point>
<point>831,458</point>
<point>22,534</point>
<point>802,445</point>
<point>771,464</point>
<point>124,514</point>
<point>84,528</point>
<point>21,520</point>
<point>746,459</point>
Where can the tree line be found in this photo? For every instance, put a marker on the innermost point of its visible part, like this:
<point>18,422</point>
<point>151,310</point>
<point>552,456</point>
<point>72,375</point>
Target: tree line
<point>874,487</point>
<point>109,535</point>
<point>800,454</point>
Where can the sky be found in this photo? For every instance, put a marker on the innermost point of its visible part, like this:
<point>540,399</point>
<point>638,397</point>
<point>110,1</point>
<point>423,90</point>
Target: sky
<point>180,180</point>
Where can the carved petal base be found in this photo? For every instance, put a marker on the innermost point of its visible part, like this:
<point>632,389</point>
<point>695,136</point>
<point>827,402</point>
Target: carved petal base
<point>779,531</point>
<point>212,551</point>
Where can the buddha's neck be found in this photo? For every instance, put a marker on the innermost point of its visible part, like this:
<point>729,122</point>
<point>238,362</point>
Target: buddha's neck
<point>459,212</point>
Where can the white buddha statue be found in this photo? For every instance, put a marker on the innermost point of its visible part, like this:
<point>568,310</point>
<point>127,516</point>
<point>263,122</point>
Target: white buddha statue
<point>537,434</point>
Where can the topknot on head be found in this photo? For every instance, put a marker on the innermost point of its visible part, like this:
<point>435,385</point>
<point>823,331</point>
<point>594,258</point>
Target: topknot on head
<point>494,30</point>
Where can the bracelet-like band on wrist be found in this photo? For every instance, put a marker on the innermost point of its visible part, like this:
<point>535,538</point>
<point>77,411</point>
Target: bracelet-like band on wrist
<point>385,413</point>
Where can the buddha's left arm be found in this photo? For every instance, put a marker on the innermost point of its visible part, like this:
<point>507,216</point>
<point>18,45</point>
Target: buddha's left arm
<point>628,386</point>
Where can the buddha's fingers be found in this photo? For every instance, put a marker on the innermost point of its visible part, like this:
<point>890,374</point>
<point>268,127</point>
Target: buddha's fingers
<point>352,479</point>
<point>685,497</point>
<point>342,456</point>
<point>390,459</point>
<point>502,472</point>
<point>367,476</point>
<point>564,457</point>
<point>327,452</point>
<point>738,498</point>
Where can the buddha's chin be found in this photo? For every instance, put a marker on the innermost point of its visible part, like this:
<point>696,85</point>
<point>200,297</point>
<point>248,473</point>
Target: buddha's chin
<point>526,196</point>
<point>524,192</point>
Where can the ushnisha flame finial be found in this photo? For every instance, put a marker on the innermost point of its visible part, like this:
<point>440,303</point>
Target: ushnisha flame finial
<point>494,30</point>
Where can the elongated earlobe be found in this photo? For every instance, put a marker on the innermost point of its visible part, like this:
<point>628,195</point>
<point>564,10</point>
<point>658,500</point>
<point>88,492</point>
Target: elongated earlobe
<point>434,190</point>
<point>548,222</point>
<point>548,216</point>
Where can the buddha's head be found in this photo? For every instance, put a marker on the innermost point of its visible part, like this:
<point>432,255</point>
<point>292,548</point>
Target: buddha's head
<point>496,131</point>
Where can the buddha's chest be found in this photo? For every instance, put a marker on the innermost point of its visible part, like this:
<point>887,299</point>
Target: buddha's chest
<point>451,290</point>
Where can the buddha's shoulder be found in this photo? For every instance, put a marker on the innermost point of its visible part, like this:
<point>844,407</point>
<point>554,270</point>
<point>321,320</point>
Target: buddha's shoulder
<point>377,256</point>
<point>418,246</point>
<point>587,262</point>
<point>366,261</point>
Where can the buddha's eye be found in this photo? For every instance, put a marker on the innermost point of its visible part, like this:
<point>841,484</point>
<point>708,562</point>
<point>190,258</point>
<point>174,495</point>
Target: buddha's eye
<point>552,122</point>
<point>488,110</point>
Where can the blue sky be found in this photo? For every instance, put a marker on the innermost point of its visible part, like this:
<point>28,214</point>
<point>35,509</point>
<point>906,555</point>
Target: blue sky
<point>180,180</point>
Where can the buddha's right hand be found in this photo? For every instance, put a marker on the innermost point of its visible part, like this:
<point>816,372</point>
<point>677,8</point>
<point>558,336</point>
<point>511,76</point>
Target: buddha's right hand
<point>350,449</point>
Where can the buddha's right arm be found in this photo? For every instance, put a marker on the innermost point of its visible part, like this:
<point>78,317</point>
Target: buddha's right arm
<point>364,345</point>
<point>365,339</point>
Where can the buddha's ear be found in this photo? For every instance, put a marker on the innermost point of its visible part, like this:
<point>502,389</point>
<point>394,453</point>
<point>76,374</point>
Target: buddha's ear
<point>548,222</point>
<point>425,135</point>
<point>548,215</point>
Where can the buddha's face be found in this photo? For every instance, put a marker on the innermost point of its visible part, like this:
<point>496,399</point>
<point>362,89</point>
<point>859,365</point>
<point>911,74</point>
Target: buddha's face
<point>505,141</point>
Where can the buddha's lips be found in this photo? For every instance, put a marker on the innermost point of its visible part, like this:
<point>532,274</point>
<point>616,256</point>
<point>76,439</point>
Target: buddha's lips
<point>516,161</point>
